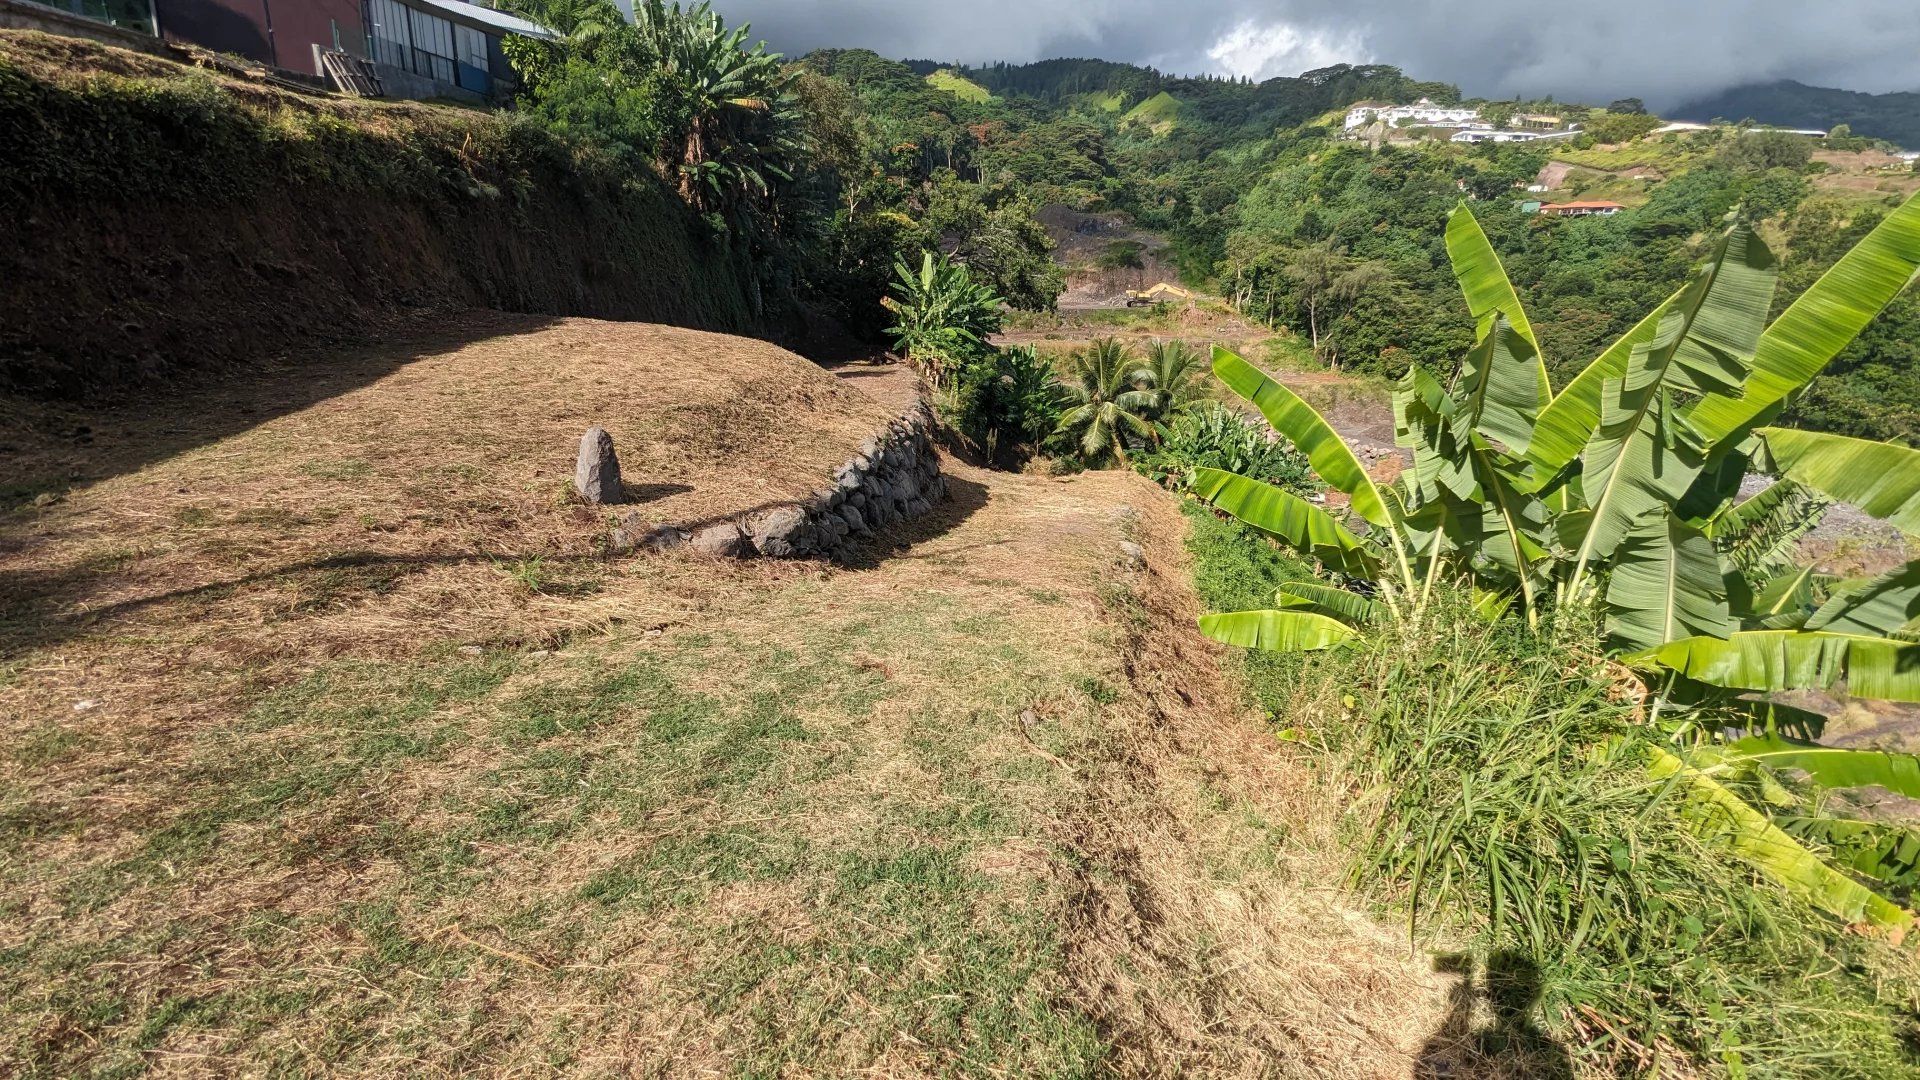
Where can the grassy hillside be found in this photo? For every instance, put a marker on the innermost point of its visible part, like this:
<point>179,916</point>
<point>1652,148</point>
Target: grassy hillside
<point>958,85</point>
<point>1159,114</point>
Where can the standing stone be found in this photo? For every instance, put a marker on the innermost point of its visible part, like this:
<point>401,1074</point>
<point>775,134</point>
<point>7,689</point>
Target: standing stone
<point>596,473</point>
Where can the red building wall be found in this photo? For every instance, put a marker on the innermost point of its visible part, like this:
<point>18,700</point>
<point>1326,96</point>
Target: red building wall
<point>278,32</point>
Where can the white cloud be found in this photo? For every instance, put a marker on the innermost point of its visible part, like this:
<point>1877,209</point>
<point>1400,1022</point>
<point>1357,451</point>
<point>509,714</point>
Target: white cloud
<point>1265,50</point>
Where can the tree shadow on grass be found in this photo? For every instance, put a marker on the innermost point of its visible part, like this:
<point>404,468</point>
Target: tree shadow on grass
<point>1513,1045</point>
<point>51,446</point>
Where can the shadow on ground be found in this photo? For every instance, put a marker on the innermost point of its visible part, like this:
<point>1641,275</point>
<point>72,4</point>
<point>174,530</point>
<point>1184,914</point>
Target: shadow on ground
<point>51,446</point>
<point>1512,1045</point>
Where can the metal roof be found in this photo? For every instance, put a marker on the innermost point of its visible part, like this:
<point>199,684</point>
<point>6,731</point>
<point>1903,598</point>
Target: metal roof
<point>483,18</point>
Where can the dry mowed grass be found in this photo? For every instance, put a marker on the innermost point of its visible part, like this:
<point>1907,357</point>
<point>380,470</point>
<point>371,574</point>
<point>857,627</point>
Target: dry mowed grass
<point>330,741</point>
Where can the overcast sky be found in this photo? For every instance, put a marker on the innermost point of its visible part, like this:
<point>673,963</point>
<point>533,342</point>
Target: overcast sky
<point>1661,50</point>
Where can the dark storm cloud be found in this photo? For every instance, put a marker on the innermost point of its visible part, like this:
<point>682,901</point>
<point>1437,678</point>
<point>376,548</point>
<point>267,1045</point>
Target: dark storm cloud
<point>1661,50</point>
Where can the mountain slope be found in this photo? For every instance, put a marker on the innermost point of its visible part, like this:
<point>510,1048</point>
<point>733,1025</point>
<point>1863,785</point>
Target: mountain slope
<point>1894,117</point>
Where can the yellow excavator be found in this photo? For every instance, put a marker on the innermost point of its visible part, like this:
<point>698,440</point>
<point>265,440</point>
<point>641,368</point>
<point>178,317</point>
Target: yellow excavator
<point>1159,294</point>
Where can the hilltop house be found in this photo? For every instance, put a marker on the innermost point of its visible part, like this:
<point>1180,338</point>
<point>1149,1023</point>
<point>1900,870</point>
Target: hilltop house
<point>415,48</point>
<point>1582,209</point>
<point>1423,112</point>
<point>1482,134</point>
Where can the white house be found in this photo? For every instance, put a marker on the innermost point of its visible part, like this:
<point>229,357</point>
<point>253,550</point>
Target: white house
<point>1480,135</point>
<point>1423,111</point>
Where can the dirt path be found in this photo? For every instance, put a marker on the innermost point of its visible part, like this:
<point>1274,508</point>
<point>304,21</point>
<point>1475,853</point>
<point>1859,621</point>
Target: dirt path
<point>981,804</point>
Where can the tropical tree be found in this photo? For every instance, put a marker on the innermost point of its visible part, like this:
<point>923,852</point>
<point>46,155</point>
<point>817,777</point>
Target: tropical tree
<point>1622,491</point>
<point>740,129</point>
<point>1171,375</point>
<point>1327,282</point>
<point>942,316</point>
<point>1104,410</point>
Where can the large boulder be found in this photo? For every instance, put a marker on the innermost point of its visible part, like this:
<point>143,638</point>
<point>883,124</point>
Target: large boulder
<point>780,532</point>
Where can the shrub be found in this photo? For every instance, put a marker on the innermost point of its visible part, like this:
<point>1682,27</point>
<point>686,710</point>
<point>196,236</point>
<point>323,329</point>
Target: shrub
<point>1005,403</point>
<point>1215,437</point>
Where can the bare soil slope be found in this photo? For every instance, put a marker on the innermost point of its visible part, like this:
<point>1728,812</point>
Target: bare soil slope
<point>331,742</point>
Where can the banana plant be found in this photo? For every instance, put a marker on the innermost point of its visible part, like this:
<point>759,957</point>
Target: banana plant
<point>1623,490</point>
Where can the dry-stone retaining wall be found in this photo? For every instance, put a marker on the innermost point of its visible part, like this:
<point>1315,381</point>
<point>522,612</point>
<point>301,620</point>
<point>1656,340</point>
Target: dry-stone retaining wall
<point>895,476</point>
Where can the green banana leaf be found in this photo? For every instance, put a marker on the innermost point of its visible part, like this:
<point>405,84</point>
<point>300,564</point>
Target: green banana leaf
<point>1427,421</point>
<point>1885,606</point>
<point>1720,814</point>
<point>1287,517</point>
<point>1667,583</point>
<point>1499,388</point>
<point>1828,766</point>
<point>1339,603</point>
<point>1490,295</point>
<point>1639,462</point>
<point>1787,595</point>
<point>1888,854</point>
<point>1276,631</point>
<point>1882,479</point>
<point>1332,459</point>
<point>1767,660</point>
<point>1762,531</point>
<point>1564,427</point>
<point>1824,319</point>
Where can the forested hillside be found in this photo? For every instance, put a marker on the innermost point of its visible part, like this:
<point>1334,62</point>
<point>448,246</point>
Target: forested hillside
<point>1266,204</point>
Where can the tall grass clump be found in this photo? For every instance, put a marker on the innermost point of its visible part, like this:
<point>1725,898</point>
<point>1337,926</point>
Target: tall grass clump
<point>1497,793</point>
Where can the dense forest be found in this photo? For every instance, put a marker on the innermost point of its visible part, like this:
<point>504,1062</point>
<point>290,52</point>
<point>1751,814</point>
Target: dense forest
<point>1894,116</point>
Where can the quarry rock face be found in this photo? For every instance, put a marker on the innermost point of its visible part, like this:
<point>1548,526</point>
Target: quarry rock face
<point>893,476</point>
<point>596,472</point>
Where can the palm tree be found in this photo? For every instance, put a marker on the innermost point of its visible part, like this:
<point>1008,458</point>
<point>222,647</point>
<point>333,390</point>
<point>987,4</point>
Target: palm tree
<point>741,129</point>
<point>1103,407</point>
<point>1171,374</point>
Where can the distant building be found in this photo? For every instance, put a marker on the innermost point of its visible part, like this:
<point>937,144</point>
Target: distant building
<point>1423,112</point>
<point>1537,120</point>
<point>1480,135</point>
<point>1679,125</point>
<point>1582,209</point>
<point>417,48</point>
<point>1811,133</point>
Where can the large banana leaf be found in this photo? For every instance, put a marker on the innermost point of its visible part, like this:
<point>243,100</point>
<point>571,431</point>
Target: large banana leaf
<point>1828,766</point>
<point>1667,583</point>
<point>1719,813</point>
<point>1286,516</point>
<point>1820,323</point>
<point>1490,295</point>
<point>1339,603</point>
<point>1767,660</point>
<point>1276,631</point>
<point>1563,428</point>
<point>1882,607</point>
<point>1639,462</point>
<point>1332,459</point>
<point>1430,423</point>
<point>1499,388</point>
<point>1880,478</point>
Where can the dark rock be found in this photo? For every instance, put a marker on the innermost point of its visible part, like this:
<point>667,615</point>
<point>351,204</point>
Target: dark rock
<point>855,520</point>
<point>724,540</point>
<point>773,532</point>
<point>596,472</point>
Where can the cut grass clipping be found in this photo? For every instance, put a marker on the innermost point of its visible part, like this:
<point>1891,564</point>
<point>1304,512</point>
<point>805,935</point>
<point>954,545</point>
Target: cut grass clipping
<point>1496,793</point>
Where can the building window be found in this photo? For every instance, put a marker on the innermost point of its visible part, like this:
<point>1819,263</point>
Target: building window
<point>404,37</point>
<point>126,14</point>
